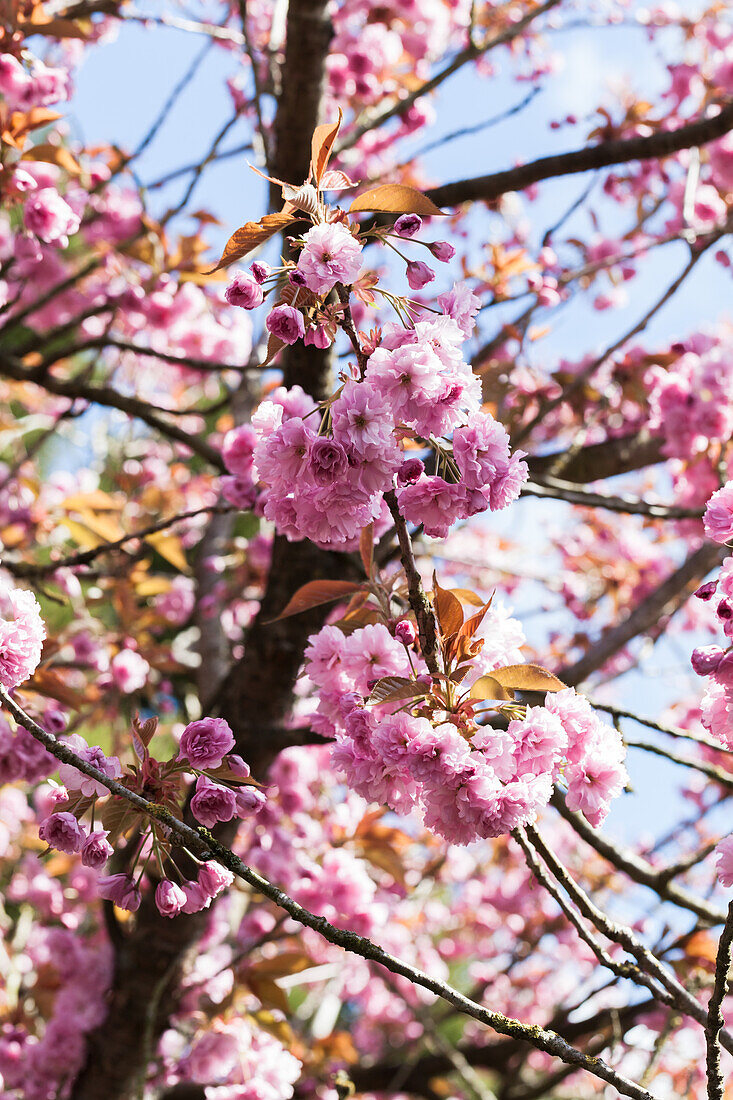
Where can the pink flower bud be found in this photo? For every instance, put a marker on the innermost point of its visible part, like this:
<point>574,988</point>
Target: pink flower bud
<point>286,324</point>
<point>169,898</point>
<point>121,890</point>
<point>706,591</point>
<point>410,471</point>
<point>407,225</point>
<point>213,878</point>
<point>196,899</point>
<point>250,800</point>
<point>419,274</point>
<point>442,250</point>
<point>96,849</point>
<point>245,291</point>
<point>238,766</point>
<point>405,632</point>
<point>260,271</point>
<point>63,832</point>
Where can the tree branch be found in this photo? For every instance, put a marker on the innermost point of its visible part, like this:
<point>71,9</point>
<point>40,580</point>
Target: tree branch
<point>607,153</point>
<point>667,598</point>
<point>638,869</point>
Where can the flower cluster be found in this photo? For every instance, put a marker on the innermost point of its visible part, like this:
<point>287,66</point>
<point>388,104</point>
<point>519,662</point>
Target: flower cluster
<point>692,403</point>
<point>326,468</point>
<point>466,779</point>
<point>21,636</point>
<point>223,790</point>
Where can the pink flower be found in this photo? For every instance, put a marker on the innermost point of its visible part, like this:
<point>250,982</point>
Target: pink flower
<point>213,1058</point>
<point>433,503</point>
<point>507,485</point>
<point>371,653</point>
<point>196,899</point>
<point>718,517</point>
<point>63,832</point>
<point>239,491</point>
<point>129,671</point>
<point>539,741</point>
<point>21,637</point>
<point>260,271</point>
<point>169,898</point>
<point>206,742</point>
<point>50,217</point>
<point>419,274</point>
<point>213,878</point>
<point>238,450</point>
<point>75,780</point>
<point>408,380</point>
<point>331,255</point>
<point>362,421</point>
<point>327,460</point>
<point>462,305</point>
<point>96,849</point>
<point>249,800</point>
<point>724,861</point>
<point>592,785</point>
<point>245,291</point>
<point>481,450</point>
<point>212,803</point>
<point>121,890</point>
<point>286,324</point>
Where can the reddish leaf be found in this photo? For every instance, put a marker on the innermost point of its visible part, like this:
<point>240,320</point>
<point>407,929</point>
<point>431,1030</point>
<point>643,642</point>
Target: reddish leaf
<point>280,966</point>
<point>53,154</point>
<point>395,198</point>
<point>321,146</point>
<point>251,236</point>
<point>527,678</point>
<point>117,817</point>
<point>366,548</point>
<point>274,346</point>
<point>315,593</point>
<point>448,609</point>
<point>391,688</point>
<point>466,596</point>
<point>269,994</point>
<point>471,625</point>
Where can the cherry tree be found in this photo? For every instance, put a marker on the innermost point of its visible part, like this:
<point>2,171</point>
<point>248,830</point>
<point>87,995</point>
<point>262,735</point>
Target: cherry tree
<point>346,588</point>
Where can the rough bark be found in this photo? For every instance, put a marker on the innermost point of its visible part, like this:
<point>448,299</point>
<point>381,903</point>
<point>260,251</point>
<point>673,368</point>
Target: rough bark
<point>150,959</point>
